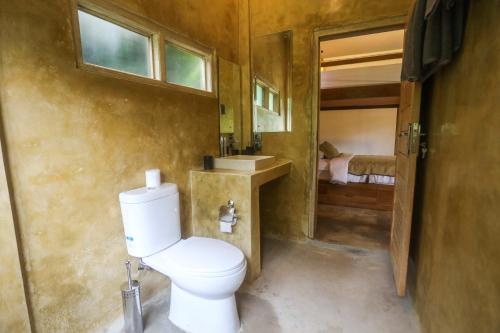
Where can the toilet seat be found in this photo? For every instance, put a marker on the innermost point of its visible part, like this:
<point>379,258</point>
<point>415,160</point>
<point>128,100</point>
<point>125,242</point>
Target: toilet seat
<point>199,257</point>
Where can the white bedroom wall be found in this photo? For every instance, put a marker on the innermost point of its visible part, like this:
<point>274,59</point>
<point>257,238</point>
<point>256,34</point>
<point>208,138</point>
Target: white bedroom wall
<point>362,132</point>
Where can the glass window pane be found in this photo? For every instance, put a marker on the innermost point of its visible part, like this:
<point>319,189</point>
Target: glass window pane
<point>271,101</point>
<point>184,67</point>
<point>259,95</point>
<point>109,45</point>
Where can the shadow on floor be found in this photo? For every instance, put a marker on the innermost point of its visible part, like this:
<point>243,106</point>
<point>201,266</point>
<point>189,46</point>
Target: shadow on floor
<point>251,306</point>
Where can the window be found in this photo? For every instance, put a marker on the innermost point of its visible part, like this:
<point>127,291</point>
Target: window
<point>271,101</point>
<point>185,67</point>
<point>115,42</point>
<point>109,45</point>
<point>266,97</point>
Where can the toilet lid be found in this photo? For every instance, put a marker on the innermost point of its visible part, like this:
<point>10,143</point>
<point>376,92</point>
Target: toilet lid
<point>205,255</point>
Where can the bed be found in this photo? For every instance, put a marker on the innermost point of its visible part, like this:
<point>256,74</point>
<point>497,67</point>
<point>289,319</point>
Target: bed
<point>373,169</point>
<point>360,181</point>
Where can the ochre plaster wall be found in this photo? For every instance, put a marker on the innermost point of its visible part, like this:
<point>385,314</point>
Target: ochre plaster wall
<point>244,50</point>
<point>284,203</point>
<point>457,229</point>
<point>76,139</point>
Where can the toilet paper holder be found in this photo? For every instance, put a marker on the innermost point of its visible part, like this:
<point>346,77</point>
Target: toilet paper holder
<point>227,216</point>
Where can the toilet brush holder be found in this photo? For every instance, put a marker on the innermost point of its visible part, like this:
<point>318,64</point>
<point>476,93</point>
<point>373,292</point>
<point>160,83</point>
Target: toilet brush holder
<point>132,307</point>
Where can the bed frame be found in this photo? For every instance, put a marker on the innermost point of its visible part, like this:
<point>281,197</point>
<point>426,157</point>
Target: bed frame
<point>358,195</point>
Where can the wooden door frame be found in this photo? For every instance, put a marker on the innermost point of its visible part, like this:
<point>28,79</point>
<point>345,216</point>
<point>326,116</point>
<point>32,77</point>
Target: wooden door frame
<point>340,31</point>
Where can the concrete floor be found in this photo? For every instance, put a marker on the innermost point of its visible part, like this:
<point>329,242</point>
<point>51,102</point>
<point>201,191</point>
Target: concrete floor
<point>313,287</point>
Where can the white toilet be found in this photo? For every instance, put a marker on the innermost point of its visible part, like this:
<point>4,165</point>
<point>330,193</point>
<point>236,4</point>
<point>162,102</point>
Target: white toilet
<point>205,272</point>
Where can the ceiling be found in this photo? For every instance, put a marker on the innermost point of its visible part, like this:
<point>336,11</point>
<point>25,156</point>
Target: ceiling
<point>362,73</point>
<point>371,43</point>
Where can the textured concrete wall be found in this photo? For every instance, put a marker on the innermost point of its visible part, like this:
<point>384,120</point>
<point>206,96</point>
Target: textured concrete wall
<point>76,139</point>
<point>285,203</point>
<point>458,229</point>
<point>244,50</point>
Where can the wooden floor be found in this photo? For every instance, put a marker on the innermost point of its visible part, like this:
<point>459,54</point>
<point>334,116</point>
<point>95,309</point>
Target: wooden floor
<point>358,227</point>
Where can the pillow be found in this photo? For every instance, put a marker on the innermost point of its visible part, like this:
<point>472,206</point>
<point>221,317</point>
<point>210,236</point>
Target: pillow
<point>329,150</point>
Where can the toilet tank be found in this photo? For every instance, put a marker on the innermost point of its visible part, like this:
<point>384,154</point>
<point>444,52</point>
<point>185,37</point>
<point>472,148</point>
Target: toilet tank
<point>150,219</point>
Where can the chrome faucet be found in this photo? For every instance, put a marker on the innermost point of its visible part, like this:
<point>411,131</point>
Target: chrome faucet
<point>227,213</point>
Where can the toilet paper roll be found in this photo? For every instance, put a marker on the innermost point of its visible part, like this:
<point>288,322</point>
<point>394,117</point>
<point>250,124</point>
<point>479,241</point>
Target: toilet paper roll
<point>153,178</point>
<point>225,227</point>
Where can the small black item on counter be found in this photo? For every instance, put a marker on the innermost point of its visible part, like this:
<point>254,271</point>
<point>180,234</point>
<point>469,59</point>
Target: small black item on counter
<point>208,162</point>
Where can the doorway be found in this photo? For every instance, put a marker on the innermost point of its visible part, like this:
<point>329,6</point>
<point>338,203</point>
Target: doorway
<point>407,147</point>
<point>358,106</point>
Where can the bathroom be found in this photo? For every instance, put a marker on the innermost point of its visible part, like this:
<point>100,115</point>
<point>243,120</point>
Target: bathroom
<point>73,138</point>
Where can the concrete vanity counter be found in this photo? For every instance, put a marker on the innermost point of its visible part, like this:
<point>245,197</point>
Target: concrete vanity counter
<point>211,189</point>
<point>279,168</point>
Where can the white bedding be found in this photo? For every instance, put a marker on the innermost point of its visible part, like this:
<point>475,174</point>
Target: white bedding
<point>339,168</point>
<point>357,179</point>
<point>379,179</point>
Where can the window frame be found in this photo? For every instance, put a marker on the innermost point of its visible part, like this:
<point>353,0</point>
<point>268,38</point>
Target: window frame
<point>158,36</point>
<point>206,53</point>
<point>148,34</point>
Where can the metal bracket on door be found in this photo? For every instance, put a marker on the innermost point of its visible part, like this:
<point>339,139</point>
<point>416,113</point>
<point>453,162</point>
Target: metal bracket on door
<point>413,137</point>
<point>423,149</point>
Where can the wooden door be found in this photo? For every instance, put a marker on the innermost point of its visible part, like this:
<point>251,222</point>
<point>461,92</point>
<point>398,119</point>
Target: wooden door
<point>407,147</point>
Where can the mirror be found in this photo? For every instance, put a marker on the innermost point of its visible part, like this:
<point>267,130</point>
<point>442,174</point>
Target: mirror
<point>229,107</point>
<point>271,69</point>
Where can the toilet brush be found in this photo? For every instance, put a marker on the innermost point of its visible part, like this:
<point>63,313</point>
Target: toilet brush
<point>132,308</point>
<point>129,274</point>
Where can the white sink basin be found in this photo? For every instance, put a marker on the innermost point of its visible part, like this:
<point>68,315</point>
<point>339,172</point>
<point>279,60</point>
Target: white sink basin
<point>244,162</point>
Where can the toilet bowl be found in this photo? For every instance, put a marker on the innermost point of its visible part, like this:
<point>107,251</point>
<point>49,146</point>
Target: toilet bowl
<point>205,272</point>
